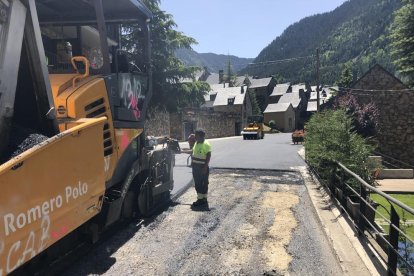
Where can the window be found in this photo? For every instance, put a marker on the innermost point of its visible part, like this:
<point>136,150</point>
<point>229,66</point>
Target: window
<point>230,101</point>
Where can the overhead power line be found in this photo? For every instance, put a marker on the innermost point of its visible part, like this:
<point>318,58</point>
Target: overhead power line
<point>278,61</point>
<point>376,90</point>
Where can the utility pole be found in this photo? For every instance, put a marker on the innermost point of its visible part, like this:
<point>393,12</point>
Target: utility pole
<point>317,80</point>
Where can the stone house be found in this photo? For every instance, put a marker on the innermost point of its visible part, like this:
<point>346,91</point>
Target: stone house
<point>394,101</point>
<point>283,114</point>
<point>262,89</point>
<point>220,78</point>
<point>224,113</point>
<point>325,94</point>
<point>378,78</point>
<point>299,103</point>
<point>278,91</point>
<point>233,100</point>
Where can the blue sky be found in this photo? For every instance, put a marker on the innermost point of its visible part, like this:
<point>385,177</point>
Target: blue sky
<point>240,27</point>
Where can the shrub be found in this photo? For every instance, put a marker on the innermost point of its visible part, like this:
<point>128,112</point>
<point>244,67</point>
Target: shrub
<point>330,137</point>
<point>365,117</point>
<point>272,124</point>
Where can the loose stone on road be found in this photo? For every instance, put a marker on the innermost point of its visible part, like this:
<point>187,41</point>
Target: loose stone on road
<point>259,222</point>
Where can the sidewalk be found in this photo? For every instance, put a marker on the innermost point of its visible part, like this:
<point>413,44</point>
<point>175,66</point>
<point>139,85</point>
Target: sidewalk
<point>355,257</point>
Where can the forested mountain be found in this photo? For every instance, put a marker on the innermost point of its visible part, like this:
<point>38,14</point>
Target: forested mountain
<point>212,61</point>
<point>357,32</point>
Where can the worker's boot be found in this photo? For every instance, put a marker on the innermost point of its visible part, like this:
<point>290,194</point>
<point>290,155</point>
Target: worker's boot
<point>200,202</point>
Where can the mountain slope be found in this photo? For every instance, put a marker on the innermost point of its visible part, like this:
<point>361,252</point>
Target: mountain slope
<point>355,32</point>
<point>213,62</point>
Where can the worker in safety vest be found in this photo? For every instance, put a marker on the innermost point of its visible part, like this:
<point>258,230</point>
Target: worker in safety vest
<point>200,160</point>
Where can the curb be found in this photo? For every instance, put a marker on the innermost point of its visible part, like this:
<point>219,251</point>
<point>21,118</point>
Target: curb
<point>366,260</point>
<point>338,240</point>
<point>331,235</point>
<point>254,169</point>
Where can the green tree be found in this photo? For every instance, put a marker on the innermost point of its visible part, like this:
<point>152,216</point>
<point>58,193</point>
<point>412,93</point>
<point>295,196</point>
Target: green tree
<point>189,94</point>
<point>330,138</point>
<point>346,77</point>
<point>255,105</point>
<point>230,78</point>
<point>167,69</point>
<point>402,36</point>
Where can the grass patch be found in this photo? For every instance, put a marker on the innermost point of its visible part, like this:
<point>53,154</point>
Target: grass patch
<point>407,199</point>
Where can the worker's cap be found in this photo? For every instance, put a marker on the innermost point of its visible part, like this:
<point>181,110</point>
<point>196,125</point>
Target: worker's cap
<point>200,132</point>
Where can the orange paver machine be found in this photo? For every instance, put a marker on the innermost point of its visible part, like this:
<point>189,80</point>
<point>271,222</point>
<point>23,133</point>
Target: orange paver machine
<point>73,153</point>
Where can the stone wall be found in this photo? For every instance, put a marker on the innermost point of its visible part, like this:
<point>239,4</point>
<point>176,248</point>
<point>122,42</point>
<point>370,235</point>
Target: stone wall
<point>176,126</point>
<point>396,120</point>
<point>215,124</point>
<point>158,123</point>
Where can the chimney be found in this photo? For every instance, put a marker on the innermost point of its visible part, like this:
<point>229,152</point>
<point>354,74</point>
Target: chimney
<point>242,90</point>
<point>221,76</point>
<point>301,93</point>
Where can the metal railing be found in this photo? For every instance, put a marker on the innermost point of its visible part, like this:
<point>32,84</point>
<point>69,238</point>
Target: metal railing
<point>393,162</point>
<point>363,218</point>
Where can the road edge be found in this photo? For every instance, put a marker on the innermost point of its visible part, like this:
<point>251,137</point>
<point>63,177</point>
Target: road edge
<point>181,191</point>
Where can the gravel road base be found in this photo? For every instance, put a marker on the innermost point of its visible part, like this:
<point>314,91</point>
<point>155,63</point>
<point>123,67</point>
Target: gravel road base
<point>259,223</point>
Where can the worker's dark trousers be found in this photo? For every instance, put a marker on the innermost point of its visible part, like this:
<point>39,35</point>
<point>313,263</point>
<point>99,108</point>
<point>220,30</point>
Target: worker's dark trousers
<point>200,180</point>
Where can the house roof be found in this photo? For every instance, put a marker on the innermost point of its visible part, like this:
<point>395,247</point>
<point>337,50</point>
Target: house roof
<point>312,106</point>
<point>240,80</point>
<point>223,94</point>
<point>329,90</point>
<point>200,74</point>
<point>207,95</point>
<point>197,76</point>
<point>280,89</point>
<point>292,98</point>
<point>213,79</point>
<point>217,86</point>
<point>256,83</point>
<point>297,87</point>
<point>278,107</point>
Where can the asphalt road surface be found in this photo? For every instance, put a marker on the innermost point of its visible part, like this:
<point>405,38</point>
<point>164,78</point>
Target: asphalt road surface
<point>258,223</point>
<point>275,151</point>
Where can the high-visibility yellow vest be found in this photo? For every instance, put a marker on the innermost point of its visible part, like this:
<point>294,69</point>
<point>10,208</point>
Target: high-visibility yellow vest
<point>200,151</point>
